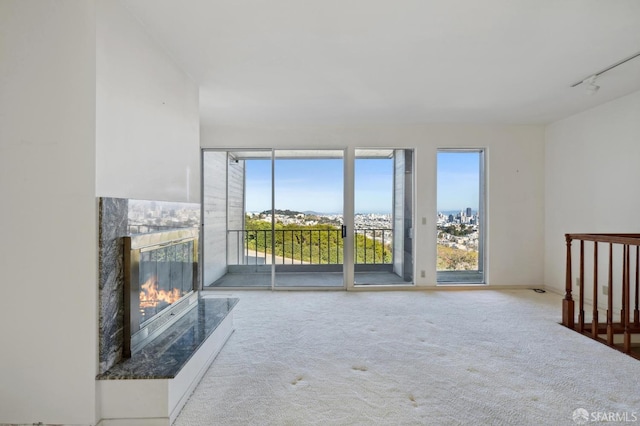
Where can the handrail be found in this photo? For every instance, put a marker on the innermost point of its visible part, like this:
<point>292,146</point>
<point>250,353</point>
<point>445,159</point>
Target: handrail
<point>631,239</point>
<point>627,325</point>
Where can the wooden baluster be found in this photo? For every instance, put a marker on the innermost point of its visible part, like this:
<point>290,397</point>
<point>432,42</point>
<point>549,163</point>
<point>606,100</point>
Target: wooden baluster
<point>625,266</point>
<point>636,315</point>
<point>610,299</point>
<point>594,320</point>
<point>567,303</point>
<point>581,290</point>
<point>624,319</point>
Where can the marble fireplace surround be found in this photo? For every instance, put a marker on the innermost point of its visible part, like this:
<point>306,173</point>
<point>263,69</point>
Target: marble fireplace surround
<point>116,217</point>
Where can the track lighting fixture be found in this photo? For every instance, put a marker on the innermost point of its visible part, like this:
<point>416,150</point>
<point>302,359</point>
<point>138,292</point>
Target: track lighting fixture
<point>590,82</point>
<point>590,85</point>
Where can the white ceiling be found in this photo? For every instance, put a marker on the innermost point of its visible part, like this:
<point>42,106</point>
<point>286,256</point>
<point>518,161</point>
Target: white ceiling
<point>397,61</point>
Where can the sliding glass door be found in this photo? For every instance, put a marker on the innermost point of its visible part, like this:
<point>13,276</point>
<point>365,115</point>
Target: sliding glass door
<point>383,220</point>
<point>272,219</point>
<point>307,223</point>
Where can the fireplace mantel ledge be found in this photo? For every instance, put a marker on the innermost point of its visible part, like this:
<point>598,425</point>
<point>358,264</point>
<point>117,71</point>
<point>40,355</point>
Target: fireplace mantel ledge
<point>166,370</point>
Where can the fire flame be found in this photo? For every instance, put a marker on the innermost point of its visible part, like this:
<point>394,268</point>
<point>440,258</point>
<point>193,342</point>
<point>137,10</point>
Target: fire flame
<point>150,296</point>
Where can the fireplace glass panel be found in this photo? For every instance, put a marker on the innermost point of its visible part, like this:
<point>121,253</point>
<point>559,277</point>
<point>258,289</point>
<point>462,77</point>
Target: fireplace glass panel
<point>166,274</point>
<point>185,251</point>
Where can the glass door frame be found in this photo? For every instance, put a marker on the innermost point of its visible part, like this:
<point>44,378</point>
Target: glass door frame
<point>411,232</point>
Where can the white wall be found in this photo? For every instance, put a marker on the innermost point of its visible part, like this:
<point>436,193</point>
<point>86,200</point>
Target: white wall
<point>147,115</point>
<point>48,310</point>
<point>235,205</point>
<point>592,176</point>
<point>515,169</point>
<point>214,205</point>
<point>89,106</point>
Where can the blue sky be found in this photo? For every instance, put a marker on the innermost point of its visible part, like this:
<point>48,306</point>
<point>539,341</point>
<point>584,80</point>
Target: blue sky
<point>373,185</point>
<point>458,180</point>
<point>300,185</point>
<point>317,185</point>
<point>314,185</point>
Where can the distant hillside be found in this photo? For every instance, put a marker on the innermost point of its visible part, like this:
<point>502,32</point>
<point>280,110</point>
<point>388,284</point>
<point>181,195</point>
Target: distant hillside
<point>454,259</point>
<point>283,212</point>
<point>288,212</point>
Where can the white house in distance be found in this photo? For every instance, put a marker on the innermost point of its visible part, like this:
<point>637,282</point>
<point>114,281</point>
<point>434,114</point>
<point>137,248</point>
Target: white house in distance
<point>104,98</point>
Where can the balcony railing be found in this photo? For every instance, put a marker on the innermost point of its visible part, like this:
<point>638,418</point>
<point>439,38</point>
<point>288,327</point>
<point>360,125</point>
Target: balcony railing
<point>147,228</point>
<point>373,246</point>
<point>307,246</point>
<point>607,282</point>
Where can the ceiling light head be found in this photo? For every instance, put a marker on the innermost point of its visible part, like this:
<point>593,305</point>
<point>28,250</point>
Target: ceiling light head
<point>590,85</point>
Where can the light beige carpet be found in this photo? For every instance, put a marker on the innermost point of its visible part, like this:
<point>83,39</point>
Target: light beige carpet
<point>410,358</point>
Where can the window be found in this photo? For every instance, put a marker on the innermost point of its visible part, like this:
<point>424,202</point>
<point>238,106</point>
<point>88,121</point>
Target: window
<point>461,216</point>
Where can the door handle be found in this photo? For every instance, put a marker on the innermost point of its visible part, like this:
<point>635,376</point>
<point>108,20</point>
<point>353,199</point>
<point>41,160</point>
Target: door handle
<point>344,231</point>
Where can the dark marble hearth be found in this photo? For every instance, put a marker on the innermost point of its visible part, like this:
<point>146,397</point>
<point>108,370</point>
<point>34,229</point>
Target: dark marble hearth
<point>165,356</point>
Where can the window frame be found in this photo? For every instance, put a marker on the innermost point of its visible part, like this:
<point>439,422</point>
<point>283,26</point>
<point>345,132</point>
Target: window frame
<point>481,273</point>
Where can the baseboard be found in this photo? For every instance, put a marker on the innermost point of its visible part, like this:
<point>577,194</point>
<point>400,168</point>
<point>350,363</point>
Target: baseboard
<point>135,422</point>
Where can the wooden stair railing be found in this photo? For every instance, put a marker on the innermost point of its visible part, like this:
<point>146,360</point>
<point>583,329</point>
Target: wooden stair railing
<point>629,324</point>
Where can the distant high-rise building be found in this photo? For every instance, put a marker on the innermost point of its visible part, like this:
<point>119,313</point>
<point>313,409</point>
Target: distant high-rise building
<point>450,218</point>
<point>469,213</point>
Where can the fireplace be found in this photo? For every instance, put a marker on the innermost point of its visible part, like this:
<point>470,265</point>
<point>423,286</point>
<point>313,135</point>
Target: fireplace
<point>159,283</point>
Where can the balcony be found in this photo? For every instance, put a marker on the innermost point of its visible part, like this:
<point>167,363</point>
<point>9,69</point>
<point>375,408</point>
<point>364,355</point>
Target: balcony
<point>315,252</point>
